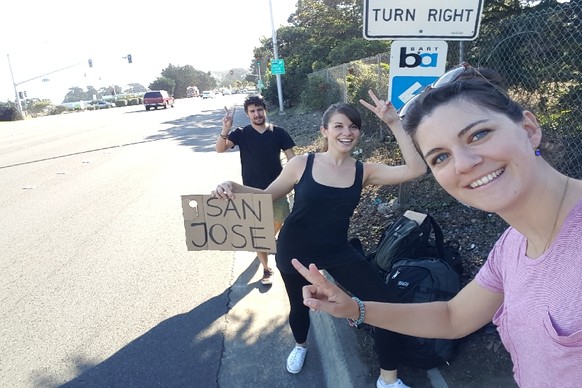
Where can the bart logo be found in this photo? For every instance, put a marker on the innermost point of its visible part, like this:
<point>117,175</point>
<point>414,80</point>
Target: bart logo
<point>413,59</point>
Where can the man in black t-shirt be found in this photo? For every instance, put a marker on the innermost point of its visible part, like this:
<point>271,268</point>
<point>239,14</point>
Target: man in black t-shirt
<point>260,145</point>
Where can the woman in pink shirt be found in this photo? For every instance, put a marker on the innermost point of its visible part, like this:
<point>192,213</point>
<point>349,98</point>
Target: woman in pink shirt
<point>482,148</point>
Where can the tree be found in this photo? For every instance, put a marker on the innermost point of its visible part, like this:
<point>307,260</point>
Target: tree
<point>74,94</point>
<point>232,77</point>
<point>184,76</point>
<point>91,93</point>
<point>163,83</point>
<point>135,88</point>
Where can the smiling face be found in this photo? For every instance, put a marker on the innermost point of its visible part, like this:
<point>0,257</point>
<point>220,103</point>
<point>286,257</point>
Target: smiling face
<point>341,133</point>
<point>257,114</point>
<point>480,157</point>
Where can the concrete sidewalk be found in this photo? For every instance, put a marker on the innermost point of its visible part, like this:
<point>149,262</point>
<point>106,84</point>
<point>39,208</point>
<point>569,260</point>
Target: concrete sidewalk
<point>258,338</point>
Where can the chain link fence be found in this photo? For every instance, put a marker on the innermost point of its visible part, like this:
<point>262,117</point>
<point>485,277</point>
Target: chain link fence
<point>538,53</point>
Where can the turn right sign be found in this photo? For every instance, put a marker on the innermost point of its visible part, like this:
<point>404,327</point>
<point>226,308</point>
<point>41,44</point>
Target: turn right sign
<point>422,19</point>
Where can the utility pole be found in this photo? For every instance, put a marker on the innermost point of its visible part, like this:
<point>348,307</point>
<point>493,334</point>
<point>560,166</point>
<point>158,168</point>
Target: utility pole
<point>276,54</point>
<point>17,97</point>
<point>259,79</point>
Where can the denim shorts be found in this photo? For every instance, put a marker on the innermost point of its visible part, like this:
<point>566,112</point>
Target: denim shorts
<point>280,209</point>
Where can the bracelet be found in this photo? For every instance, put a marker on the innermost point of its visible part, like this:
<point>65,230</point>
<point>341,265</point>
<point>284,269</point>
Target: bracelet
<point>360,319</point>
<point>223,136</point>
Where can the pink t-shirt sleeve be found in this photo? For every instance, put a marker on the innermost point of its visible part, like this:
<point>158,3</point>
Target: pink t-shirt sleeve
<point>490,275</point>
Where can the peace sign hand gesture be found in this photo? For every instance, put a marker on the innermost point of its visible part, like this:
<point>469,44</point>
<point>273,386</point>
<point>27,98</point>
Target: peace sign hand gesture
<point>383,109</point>
<point>228,118</point>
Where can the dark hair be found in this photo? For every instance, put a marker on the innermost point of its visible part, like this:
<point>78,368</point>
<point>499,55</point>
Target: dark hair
<point>483,87</point>
<point>254,100</point>
<point>346,109</point>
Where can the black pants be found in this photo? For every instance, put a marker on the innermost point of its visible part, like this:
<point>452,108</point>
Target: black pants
<point>362,281</point>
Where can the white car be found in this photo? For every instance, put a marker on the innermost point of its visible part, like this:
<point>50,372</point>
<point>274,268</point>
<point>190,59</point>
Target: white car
<point>207,94</point>
<point>102,104</point>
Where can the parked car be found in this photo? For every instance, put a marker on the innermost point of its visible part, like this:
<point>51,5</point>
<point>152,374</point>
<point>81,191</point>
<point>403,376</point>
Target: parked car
<point>101,104</point>
<point>208,94</point>
<point>157,98</point>
<point>76,105</point>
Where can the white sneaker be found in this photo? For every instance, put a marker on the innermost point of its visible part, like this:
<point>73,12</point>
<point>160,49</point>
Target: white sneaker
<point>296,359</point>
<point>397,384</point>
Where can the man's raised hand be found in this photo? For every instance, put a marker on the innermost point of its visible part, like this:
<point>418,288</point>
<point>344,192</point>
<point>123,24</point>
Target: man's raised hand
<point>228,118</point>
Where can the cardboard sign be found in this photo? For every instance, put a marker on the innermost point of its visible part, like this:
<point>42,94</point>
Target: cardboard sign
<point>244,223</point>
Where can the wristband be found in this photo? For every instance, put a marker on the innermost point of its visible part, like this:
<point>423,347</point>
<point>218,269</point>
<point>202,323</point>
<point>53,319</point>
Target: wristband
<point>360,319</point>
<point>223,136</point>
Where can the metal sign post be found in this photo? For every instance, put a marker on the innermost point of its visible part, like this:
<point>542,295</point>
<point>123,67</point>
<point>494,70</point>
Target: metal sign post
<point>276,54</point>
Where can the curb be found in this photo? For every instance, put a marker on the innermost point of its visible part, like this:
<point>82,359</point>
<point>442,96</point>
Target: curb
<point>340,354</point>
<point>340,350</point>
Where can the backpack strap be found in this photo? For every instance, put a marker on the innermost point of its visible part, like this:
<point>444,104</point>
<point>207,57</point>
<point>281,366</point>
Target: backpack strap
<point>438,236</point>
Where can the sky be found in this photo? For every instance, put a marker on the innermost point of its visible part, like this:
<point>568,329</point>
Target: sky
<point>40,37</point>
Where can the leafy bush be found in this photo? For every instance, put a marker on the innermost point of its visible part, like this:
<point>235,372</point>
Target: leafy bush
<point>57,110</point>
<point>362,78</point>
<point>119,103</point>
<point>37,107</point>
<point>9,112</point>
<point>318,94</point>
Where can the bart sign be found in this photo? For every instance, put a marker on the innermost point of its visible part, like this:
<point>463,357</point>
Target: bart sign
<point>244,223</point>
<point>422,19</point>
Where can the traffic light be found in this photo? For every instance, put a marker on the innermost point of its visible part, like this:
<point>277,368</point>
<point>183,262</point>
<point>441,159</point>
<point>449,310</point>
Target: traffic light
<point>90,63</point>
<point>21,95</point>
<point>129,60</point>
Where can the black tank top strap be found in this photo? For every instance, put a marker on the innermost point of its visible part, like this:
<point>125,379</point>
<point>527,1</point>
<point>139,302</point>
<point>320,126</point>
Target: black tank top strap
<point>359,175</point>
<point>308,173</point>
<point>309,164</point>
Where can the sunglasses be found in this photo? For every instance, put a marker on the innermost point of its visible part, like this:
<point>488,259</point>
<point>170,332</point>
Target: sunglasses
<point>450,76</point>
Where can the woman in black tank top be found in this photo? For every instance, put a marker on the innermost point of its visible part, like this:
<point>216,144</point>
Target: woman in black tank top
<point>327,188</point>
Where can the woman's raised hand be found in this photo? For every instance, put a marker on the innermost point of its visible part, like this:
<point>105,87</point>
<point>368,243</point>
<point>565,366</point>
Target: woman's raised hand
<point>325,296</point>
<point>223,190</point>
<point>383,109</point>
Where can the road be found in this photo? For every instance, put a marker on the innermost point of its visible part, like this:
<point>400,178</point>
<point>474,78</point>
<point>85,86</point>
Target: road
<point>96,285</point>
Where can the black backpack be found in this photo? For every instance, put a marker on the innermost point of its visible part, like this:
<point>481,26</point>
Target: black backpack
<point>417,267</point>
<point>406,237</point>
<point>423,280</point>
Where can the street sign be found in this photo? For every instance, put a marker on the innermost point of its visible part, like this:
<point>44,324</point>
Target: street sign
<point>260,84</point>
<point>277,66</point>
<point>422,19</point>
<point>413,66</point>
